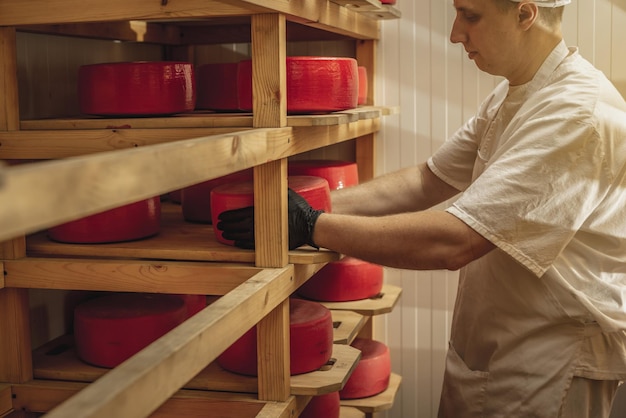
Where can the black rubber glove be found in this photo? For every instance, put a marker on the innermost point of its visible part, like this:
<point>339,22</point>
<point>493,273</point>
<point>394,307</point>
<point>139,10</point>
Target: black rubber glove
<point>238,225</point>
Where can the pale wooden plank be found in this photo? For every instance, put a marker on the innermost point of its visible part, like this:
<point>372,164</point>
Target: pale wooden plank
<point>349,412</point>
<point>273,355</point>
<point>377,305</point>
<point>358,2</point>
<point>347,325</point>
<point>129,390</point>
<point>279,409</point>
<point>15,349</point>
<point>385,12</point>
<point>9,102</point>
<point>44,194</point>
<point>57,144</point>
<point>126,276</point>
<point>380,402</point>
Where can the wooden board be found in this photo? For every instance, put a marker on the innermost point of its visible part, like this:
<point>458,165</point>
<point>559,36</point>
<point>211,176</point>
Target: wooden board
<point>377,403</point>
<point>6,401</point>
<point>347,325</point>
<point>377,305</point>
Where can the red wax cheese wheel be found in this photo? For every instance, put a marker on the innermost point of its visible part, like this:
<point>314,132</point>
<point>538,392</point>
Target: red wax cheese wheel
<point>126,223</point>
<point>136,88</point>
<point>310,341</point>
<point>344,280</point>
<point>314,84</point>
<point>323,406</point>
<point>196,199</point>
<point>338,174</point>
<point>372,373</point>
<point>217,87</point>
<point>112,328</point>
<point>238,195</point>
<point>363,85</point>
<point>193,304</point>
<point>388,1</point>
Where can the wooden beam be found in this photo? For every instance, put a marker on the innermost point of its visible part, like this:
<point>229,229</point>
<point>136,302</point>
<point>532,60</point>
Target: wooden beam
<point>141,384</point>
<point>9,98</point>
<point>126,276</point>
<point>15,349</point>
<point>39,195</point>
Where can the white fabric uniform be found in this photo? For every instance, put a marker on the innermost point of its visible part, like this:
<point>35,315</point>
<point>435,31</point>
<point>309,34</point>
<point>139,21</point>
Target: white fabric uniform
<point>542,168</point>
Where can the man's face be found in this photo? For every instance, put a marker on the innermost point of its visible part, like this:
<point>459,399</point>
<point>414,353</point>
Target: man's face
<point>489,34</point>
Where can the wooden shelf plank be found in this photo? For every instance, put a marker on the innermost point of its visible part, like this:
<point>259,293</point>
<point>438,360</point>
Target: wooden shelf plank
<point>41,396</point>
<point>349,412</point>
<point>347,326</point>
<point>385,12</point>
<point>57,360</point>
<point>40,195</point>
<point>319,14</point>
<point>380,304</point>
<point>177,240</point>
<point>377,403</point>
<point>6,401</point>
<point>173,359</point>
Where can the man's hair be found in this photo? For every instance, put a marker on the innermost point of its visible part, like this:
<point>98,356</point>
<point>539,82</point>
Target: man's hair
<point>548,16</point>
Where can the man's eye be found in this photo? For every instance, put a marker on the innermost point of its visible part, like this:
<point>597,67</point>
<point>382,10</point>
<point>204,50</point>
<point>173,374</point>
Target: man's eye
<point>471,17</point>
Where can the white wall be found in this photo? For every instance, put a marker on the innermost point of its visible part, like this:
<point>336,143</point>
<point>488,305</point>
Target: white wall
<point>437,88</point>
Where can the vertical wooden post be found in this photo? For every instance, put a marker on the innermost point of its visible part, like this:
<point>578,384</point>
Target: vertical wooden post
<point>15,346</point>
<point>270,198</point>
<point>366,145</point>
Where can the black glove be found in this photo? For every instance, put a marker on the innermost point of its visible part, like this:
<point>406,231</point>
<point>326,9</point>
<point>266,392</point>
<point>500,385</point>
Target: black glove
<point>238,225</point>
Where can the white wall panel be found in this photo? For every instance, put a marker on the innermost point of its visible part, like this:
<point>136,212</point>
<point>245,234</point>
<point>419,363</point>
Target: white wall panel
<point>438,88</point>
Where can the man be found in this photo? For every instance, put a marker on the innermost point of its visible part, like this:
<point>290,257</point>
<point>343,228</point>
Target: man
<point>538,228</point>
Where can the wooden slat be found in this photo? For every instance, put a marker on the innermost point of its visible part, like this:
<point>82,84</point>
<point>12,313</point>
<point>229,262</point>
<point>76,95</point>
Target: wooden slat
<point>130,31</point>
<point>129,390</point>
<point>376,3</point>
<point>349,412</point>
<point>331,379</point>
<point>377,305</point>
<point>41,396</point>
<point>126,276</point>
<point>380,402</point>
<point>386,12</point>
<point>6,401</point>
<point>9,98</point>
<point>61,144</point>
<point>15,355</point>
<point>44,194</point>
<point>347,325</point>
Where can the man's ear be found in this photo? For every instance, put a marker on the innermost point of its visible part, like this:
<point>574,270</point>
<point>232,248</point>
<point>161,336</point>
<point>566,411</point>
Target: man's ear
<point>527,14</point>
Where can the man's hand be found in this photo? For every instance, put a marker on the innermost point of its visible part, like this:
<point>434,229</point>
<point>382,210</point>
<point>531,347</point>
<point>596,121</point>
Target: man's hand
<point>238,225</point>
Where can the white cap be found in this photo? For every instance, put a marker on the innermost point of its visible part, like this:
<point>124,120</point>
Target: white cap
<point>548,3</point>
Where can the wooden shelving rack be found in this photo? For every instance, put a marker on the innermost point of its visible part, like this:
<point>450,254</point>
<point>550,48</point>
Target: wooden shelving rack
<point>176,375</point>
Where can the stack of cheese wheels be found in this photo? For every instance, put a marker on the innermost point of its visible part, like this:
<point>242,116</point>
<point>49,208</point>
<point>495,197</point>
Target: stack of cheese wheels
<point>363,86</point>
<point>217,87</point>
<point>323,406</point>
<point>238,195</point>
<point>109,329</point>
<point>314,84</point>
<point>338,174</point>
<point>196,199</point>
<point>126,223</point>
<point>372,373</point>
<point>344,280</point>
<point>136,88</point>
<point>310,341</point>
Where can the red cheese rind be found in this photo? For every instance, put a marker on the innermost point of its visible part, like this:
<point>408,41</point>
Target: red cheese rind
<point>193,303</point>
<point>310,344</point>
<point>314,84</point>
<point>323,406</point>
<point>344,280</point>
<point>372,373</point>
<point>136,88</point>
<point>363,86</point>
<point>238,195</point>
<point>196,199</point>
<point>111,328</point>
<point>217,87</point>
<point>338,174</point>
<point>126,223</point>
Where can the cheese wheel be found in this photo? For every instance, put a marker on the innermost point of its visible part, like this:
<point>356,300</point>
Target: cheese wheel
<point>323,406</point>
<point>136,88</point>
<point>112,328</point>
<point>314,84</point>
<point>238,195</point>
<point>196,199</point>
<point>126,223</point>
<point>310,342</point>
<point>193,304</point>
<point>344,280</point>
<point>372,373</point>
<point>338,174</point>
<point>363,85</point>
<point>217,87</point>
<point>388,1</point>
